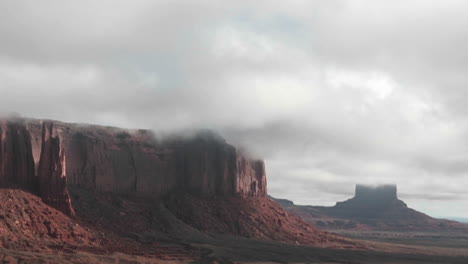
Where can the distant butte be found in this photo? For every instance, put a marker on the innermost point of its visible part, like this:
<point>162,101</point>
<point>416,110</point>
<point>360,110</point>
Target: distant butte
<point>371,208</point>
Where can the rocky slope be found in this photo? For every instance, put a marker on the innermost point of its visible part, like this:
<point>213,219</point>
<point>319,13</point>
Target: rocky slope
<point>258,218</point>
<point>372,208</point>
<point>26,222</point>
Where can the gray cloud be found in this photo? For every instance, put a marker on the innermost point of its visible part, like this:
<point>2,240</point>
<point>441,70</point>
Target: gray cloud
<point>330,93</point>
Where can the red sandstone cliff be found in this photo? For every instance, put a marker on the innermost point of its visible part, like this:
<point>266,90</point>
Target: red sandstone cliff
<point>52,171</point>
<point>34,129</point>
<point>16,160</point>
<point>17,163</point>
<point>251,178</point>
<point>133,162</point>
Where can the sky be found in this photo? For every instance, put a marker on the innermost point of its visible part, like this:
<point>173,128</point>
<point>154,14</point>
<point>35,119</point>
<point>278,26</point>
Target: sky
<point>328,93</point>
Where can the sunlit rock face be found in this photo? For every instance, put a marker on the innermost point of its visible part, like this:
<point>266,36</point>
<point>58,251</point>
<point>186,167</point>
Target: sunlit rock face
<point>49,156</point>
<point>16,159</point>
<point>134,162</point>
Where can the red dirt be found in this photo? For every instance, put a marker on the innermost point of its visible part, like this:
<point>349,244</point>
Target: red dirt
<point>26,222</point>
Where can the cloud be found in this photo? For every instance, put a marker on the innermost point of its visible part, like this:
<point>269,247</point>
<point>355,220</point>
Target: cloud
<point>330,93</point>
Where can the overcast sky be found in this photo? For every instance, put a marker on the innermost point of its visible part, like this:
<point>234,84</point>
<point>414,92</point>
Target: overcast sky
<point>329,93</point>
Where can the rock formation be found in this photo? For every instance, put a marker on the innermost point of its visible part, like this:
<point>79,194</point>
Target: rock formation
<point>35,131</point>
<point>372,208</point>
<point>17,166</point>
<point>132,162</point>
<point>369,202</point>
<point>52,171</point>
<point>16,160</point>
<point>380,193</point>
<point>251,179</point>
<point>129,189</point>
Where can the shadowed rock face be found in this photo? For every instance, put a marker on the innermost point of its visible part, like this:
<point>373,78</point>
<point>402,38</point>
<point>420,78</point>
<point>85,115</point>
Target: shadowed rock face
<point>16,159</point>
<point>370,200</point>
<point>51,171</point>
<point>382,192</point>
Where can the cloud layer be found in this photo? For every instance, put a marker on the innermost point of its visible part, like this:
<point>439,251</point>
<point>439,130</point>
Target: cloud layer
<point>330,93</point>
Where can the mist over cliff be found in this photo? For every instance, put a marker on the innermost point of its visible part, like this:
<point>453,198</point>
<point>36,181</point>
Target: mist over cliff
<point>328,97</point>
<point>49,156</point>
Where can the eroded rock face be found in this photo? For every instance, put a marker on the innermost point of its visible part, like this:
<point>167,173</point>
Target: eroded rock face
<point>133,162</point>
<point>16,160</point>
<point>251,177</point>
<point>52,171</point>
<point>34,128</point>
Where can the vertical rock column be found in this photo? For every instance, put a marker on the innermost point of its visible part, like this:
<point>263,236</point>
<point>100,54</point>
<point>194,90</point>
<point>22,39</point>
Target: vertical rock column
<point>250,177</point>
<point>16,161</point>
<point>52,171</point>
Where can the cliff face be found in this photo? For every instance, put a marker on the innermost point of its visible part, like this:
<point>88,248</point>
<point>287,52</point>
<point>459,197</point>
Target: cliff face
<point>108,159</point>
<point>51,171</point>
<point>207,165</point>
<point>251,178</point>
<point>17,163</point>
<point>133,162</point>
<point>35,133</point>
<point>16,160</point>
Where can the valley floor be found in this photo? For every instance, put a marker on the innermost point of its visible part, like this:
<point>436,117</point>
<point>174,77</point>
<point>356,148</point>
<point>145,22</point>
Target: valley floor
<point>246,251</point>
<point>224,249</point>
